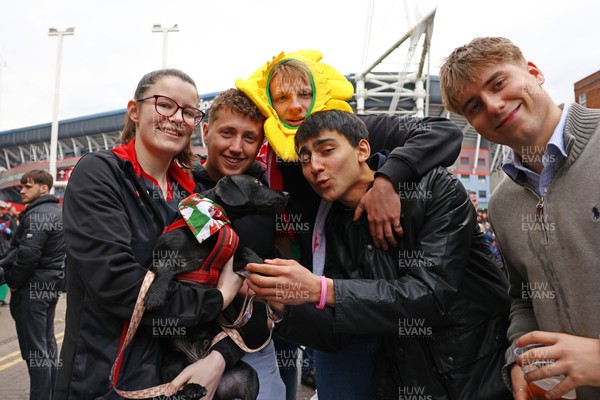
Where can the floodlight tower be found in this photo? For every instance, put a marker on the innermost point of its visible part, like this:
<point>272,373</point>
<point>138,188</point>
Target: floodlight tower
<point>165,31</point>
<point>54,129</point>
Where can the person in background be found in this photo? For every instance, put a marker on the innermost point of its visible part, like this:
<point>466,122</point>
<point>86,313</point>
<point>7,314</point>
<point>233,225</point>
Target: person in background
<point>3,291</point>
<point>117,204</point>
<point>487,231</point>
<point>545,214</point>
<point>34,271</point>
<point>8,226</point>
<point>473,197</point>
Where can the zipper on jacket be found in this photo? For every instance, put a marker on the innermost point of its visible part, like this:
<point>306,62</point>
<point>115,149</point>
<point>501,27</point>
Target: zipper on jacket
<point>539,213</point>
<point>144,197</point>
<point>539,208</point>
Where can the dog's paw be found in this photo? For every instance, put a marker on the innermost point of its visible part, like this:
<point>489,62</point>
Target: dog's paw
<point>244,256</point>
<point>159,289</point>
<point>154,299</point>
<point>193,391</point>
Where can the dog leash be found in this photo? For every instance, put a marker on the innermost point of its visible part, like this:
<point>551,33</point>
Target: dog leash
<point>243,317</point>
<point>138,312</point>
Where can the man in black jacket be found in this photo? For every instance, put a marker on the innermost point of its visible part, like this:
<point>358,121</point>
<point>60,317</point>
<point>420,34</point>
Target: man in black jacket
<point>34,271</point>
<point>430,316</point>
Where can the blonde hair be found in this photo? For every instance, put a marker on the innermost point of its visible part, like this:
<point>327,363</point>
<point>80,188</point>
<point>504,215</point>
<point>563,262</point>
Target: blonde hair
<point>467,62</point>
<point>290,70</point>
<point>185,157</point>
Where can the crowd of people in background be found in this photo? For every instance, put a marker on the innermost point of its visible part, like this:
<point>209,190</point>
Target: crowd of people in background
<point>486,228</point>
<point>8,225</point>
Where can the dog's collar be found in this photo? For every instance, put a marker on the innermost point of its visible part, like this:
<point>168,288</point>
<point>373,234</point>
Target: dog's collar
<point>180,223</point>
<point>208,273</point>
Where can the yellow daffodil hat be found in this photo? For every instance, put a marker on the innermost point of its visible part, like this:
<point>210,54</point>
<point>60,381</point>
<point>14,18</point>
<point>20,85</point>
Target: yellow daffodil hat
<point>331,90</point>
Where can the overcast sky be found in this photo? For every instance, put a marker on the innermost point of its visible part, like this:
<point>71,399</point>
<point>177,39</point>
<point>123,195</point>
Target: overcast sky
<point>222,40</point>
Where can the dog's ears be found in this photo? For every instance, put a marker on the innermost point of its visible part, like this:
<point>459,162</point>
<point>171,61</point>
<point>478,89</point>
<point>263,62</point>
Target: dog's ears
<point>230,193</point>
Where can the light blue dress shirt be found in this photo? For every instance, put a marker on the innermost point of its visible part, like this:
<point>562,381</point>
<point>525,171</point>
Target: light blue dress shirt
<point>551,160</point>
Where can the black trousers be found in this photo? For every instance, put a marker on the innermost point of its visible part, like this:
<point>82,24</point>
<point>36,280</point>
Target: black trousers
<point>33,310</point>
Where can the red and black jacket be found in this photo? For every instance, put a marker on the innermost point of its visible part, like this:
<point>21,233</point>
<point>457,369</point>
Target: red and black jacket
<point>111,225</point>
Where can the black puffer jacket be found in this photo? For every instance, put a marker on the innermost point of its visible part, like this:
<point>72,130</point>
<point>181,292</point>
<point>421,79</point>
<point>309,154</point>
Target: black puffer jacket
<point>111,226</point>
<point>438,301</point>
<point>37,251</point>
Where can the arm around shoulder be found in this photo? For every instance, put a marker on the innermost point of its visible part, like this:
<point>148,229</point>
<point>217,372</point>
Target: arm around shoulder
<point>444,225</point>
<point>416,145</point>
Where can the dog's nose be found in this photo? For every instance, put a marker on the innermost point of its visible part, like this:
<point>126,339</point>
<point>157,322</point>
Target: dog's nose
<point>286,195</point>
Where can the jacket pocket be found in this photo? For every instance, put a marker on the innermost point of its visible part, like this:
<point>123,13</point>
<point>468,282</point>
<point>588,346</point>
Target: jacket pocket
<point>455,348</point>
<point>470,360</point>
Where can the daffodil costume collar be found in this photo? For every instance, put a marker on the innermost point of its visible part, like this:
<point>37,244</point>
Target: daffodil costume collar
<point>330,88</point>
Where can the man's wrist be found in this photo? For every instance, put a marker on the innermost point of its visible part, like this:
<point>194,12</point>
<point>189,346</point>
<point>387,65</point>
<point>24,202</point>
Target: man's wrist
<point>330,293</point>
<point>381,179</point>
<point>314,292</point>
<point>277,310</point>
<point>323,293</point>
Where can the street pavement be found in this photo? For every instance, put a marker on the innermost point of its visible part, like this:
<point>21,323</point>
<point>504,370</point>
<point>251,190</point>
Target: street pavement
<point>14,378</point>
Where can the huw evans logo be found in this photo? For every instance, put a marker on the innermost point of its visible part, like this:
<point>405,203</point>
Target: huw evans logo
<point>167,327</point>
<point>291,222</point>
<point>290,290</point>
<point>537,291</point>
<point>414,191</point>
<point>44,359</point>
<point>413,393</point>
<point>531,222</point>
<point>412,259</point>
<point>170,259</point>
<point>43,291</point>
<point>413,327</point>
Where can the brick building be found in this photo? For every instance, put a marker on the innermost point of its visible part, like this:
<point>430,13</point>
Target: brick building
<point>587,91</point>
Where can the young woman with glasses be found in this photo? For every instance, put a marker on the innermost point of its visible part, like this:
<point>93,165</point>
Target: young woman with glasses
<point>117,204</point>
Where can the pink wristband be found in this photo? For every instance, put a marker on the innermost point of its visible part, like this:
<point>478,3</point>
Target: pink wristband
<point>323,299</point>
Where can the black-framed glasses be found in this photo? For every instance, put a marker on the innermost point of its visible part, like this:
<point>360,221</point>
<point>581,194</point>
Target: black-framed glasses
<point>167,107</point>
